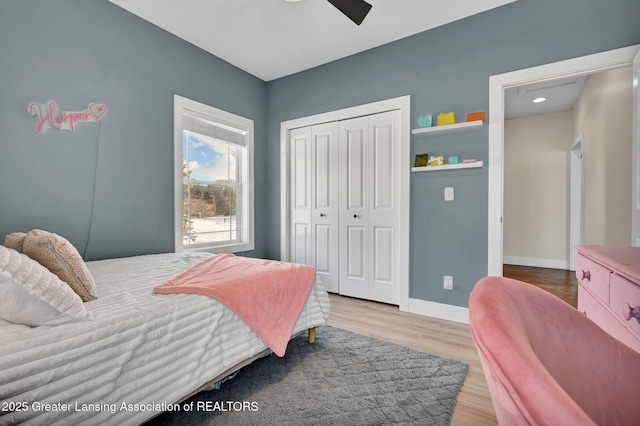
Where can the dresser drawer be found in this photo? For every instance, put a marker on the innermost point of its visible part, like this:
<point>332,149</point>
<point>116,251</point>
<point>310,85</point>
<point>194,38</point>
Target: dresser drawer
<point>593,277</point>
<point>593,309</point>
<point>625,294</point>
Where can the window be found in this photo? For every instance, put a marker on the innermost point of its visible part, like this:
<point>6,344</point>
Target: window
<point>213,178</point>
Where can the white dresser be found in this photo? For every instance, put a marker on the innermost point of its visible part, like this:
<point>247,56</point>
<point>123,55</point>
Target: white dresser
<point>609,289</point>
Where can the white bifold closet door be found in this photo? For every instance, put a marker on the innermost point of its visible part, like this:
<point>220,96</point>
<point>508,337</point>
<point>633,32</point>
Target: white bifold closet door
<point>369,148</point>
<point>314,200</point>
<point>344,204</point>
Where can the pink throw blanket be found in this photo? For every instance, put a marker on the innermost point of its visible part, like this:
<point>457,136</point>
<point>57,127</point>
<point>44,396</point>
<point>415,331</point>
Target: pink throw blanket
<point>266,294</point>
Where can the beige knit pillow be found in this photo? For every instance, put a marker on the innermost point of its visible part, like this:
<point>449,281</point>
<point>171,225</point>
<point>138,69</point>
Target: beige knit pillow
<point>60,257</point>
<point>14,241</point>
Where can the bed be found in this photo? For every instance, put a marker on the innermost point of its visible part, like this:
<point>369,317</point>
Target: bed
<point>141,355</point>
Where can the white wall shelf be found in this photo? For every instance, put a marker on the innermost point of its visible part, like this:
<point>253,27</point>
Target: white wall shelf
<point>448,127</point>
<point>477,164</point>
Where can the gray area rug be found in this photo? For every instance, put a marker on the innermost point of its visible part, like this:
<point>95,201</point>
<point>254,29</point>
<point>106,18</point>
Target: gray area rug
<point>342,379</point>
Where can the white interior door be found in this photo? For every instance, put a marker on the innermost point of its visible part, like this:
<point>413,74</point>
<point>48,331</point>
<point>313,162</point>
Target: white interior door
<point>635,214</point>
<point>325,210</point>
<point>300,196</point>
<point>354,237</point>
<point>368,206</point>
<point>575,206</point>
<point>314,199</point>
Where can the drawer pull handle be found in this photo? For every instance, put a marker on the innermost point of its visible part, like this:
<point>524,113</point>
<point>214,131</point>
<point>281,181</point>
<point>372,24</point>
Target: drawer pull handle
<point>586,275</point>
<point>633,313</point>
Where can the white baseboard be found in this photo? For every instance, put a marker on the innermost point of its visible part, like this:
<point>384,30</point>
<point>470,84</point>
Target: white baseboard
<point>535,262</point>
<point>439,310</point>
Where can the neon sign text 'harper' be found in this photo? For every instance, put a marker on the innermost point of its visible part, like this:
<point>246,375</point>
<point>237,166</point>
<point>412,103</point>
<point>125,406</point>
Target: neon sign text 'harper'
<point>47,116</point>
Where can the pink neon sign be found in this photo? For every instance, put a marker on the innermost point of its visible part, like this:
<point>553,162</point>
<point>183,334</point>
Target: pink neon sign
<point>47,116</point>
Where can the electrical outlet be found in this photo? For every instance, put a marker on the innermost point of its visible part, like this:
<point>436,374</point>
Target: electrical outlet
<point>448,282</point>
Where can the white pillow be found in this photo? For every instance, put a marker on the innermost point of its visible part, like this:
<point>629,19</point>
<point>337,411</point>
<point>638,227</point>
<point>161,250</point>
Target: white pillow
<point>31,295</point>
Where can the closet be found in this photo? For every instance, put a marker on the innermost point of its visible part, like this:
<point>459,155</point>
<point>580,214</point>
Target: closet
<point>344,203</point>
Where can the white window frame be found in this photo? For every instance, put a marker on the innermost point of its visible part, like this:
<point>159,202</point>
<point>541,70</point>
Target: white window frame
<point>245,213</point>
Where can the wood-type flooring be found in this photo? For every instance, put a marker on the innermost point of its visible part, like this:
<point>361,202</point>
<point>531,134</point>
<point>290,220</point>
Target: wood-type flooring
<point>445,338</point>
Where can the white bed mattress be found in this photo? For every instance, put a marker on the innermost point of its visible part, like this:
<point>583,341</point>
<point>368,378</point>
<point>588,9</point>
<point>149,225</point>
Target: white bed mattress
<point>143,348</point>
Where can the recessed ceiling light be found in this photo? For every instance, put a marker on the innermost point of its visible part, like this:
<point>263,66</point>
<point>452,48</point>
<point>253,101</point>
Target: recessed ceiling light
<point>538,100</point>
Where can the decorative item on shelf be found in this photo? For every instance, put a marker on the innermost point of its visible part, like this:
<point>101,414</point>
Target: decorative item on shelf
<point>421,160</point>
<point>446,118</point>
<point>453,159</point>
<point>469,161</point>
<point>425,121</point>
<point>475,116</point>
<point>437,160</point>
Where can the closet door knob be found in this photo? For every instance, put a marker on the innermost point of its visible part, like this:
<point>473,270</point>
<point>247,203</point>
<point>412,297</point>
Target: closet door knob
<point>355,216</point>
<point>323,215</point>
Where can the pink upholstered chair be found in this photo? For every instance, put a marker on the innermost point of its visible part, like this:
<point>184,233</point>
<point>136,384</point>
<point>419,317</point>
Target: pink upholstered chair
<point>548,364</point>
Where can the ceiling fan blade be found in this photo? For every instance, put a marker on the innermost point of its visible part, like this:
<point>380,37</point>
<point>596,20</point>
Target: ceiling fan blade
<point>356,10</point>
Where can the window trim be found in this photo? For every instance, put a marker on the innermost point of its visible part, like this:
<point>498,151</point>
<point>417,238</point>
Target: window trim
<point>246,175</point>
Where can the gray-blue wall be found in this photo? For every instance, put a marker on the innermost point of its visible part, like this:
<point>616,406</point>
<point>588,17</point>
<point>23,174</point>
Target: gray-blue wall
<point>448,69</point>
<point>75,52</point>
<point>81,51</point>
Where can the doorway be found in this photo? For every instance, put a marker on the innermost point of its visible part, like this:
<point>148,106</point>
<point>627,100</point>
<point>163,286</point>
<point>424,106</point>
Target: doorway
<point>498,84</point>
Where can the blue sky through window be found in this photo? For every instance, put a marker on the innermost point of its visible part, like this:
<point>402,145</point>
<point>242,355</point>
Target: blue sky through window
<point>209,159</point>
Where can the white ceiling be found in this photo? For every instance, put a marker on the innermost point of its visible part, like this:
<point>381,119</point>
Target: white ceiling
<point>274,38</point>
<point>561,95</point>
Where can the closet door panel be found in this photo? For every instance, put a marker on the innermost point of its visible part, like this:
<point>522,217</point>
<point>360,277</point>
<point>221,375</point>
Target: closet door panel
<point>383,166</point>
<point>354,195</point>
<point>382,254</point>
<point>300,249</point>
<point>356,168</point>
<point>381,210</point>
<point>355,252</point>
<point>325,212</point>
<point>323,249</point>
<point>323,171</point>
<point>300,196</point>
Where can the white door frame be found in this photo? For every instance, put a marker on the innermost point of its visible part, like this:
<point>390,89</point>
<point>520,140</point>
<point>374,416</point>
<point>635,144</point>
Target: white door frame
<point>635,168</point>
<point>575,203</point>
<point>403,104</point>
<point>497,85</point>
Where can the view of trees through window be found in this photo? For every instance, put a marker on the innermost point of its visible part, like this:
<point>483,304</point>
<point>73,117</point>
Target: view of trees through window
<point>210,189</point>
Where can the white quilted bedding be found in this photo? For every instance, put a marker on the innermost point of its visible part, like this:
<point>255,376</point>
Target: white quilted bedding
<point>142,348</point>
